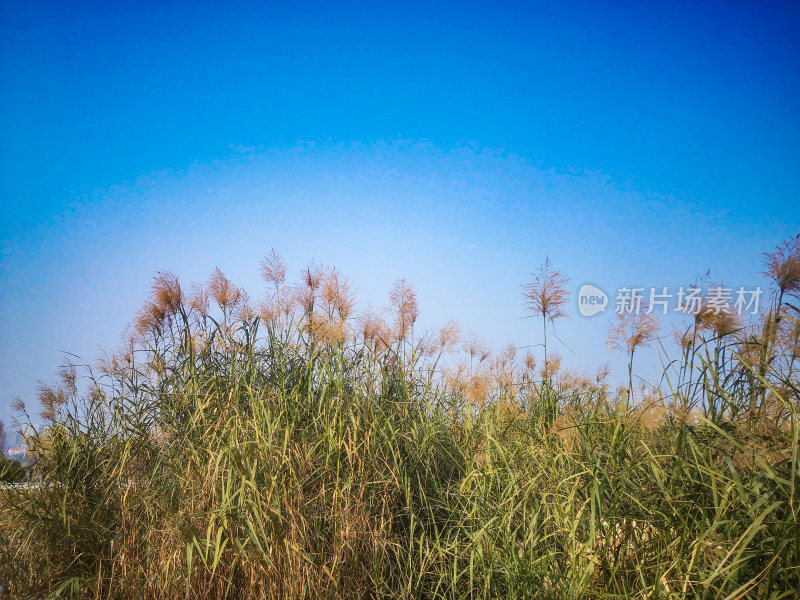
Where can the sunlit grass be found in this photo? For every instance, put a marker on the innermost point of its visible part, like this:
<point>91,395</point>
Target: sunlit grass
<point>298,448</point>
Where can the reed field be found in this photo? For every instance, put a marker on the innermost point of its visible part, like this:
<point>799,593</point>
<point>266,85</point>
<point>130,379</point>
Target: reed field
<point>299,446</point>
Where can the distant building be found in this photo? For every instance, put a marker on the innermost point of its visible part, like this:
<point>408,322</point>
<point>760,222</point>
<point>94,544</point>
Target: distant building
<point>18,449</point>
<point>19,453</point>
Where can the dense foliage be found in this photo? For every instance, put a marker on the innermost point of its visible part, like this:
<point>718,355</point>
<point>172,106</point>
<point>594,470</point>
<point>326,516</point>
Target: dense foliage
<point>292,450</point>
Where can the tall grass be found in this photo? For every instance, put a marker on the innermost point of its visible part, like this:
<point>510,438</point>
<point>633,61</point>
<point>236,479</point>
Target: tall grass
<point>293,450</point>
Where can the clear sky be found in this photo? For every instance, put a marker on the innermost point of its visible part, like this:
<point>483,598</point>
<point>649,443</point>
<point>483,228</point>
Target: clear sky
<point>634,143</point>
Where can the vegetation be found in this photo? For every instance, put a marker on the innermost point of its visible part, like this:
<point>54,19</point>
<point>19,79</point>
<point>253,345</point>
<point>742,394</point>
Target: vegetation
<point>11,471</point>
<point>298,449</point>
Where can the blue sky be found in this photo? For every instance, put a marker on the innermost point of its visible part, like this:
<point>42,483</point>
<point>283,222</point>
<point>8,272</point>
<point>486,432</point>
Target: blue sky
<point>455,145</point>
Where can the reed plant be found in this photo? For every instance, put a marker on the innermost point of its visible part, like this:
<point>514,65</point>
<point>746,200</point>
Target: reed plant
<point>298,448</point>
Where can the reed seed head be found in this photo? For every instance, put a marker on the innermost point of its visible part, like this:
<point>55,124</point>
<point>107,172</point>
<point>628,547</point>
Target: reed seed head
<point>631,330</point>
<point>449,336</point>
<point>404,301</point>
<point>225,293</point>
<point>338,295</point>
<point>783,266</point>
<point>547,294</point>
<point>273,269</point>
<point>722,322</point>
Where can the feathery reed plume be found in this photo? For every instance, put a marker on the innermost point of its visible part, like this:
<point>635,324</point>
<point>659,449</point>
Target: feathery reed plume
<point>651,412</point>
<point>603,371</point>
<point>331,331</point>
<point>551,367</point>
<point>245,311</point>
<point>684,337</point>
<point>530,361</point>
<point>313,276</point>
<point>68,375</point>
<point>474,346</point>
<point>477,388</point>
<point>337,301</point>
<point>630,331</point>
<point>225,294</point>
<point>546,297</point>
<point>166,300</point>
<point>783,266</point>
<point>502,369</point>
<point>720,322</point>
<point>51,398</point>
<point>566,430</point>
<point>150,318</point>
<point>449,336</point>
<point>456,377</point>
<point>109,365</point>
<point>547,294</point>
<point>404,301</point>
<point>337,295</point>
<point>270,313</point>
<point>273,269</point>
<point>751,344</point>
<point>281,305</point>
<point>306,295</point>
<point>374,329</point>
<point>509,353</point>
<point>426,345</point>
<point>167,292</point>
<point>198,299</point>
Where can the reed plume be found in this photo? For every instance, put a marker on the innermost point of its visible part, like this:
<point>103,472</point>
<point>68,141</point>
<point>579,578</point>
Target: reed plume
<point>632,330</point>
<point>545,297</point>
<point>783,266</point>
<point>225,294</point>
<point>404,300</point>
<point>166,300</point>
<point>273,269</point>
<point>449,336</point>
